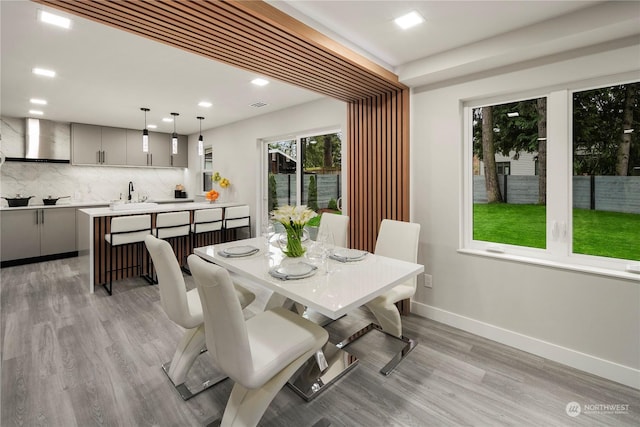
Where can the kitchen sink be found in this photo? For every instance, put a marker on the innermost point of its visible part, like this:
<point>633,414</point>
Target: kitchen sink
<point>131,206</point>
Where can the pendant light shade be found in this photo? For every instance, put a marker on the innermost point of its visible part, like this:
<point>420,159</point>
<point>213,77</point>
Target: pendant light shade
<point>174,136</point>
<point>200,139</point>
<point>145,132</point>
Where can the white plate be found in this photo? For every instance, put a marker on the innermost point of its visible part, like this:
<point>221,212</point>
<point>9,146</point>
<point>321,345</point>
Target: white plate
<point>239,251</point>
<point>297,270</point>
<point>349,254</point>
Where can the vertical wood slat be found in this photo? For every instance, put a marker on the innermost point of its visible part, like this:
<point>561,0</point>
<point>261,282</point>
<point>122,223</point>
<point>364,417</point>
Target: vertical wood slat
<point>378,159</point>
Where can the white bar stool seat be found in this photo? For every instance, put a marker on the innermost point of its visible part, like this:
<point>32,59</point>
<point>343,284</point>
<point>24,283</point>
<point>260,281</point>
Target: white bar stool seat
<point>237,217</point>
<point>172,225</point>
<point>126,230</point>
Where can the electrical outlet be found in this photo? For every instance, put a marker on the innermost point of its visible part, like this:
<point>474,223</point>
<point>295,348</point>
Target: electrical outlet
<point>428,280</point>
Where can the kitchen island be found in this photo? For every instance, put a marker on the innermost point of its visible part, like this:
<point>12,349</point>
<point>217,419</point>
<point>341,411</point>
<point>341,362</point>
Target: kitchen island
<point>94,223</point>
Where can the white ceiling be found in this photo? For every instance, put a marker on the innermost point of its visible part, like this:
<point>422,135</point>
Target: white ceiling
<point>105,75</point>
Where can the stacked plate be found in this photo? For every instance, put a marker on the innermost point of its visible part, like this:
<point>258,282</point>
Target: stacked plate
<point>238,251</point>
<point>293,271</point>
<point>348,255</point>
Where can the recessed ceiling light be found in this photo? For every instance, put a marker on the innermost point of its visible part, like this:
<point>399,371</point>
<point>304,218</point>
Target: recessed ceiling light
<point>260,82</point>
<point>152,126</point>
<point>513,114</point>
<point>205,104</point>
<point>38,101</point>
<point>409,20</point>
<point>57,20</point>
<point>167,119</point>
<point>44,72</point>
<point>36,112</point>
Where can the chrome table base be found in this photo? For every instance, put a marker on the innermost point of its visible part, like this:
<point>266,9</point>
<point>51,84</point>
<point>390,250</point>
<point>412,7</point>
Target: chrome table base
<point>389,367</point>
<point>309,381</point>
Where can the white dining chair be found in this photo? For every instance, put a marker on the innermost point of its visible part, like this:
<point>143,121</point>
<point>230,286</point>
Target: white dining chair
<point>399,240</point>
<point>337,225</point>
<point>259,354</point>
<point>126,231</point>
<point>184,308</point>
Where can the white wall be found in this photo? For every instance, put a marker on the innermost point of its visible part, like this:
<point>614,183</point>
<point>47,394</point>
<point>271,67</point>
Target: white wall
<point>588,321</point>
<point>236,151</point>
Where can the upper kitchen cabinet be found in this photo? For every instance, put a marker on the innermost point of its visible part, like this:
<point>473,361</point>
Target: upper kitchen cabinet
<point>180,160</point>
<point>159,154</point>
<point>98,145</point>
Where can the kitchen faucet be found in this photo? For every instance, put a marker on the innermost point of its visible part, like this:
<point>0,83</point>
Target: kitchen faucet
<point>130,190</point>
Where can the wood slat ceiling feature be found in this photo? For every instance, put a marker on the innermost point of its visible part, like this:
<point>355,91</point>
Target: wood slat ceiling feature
<point>252,35</point>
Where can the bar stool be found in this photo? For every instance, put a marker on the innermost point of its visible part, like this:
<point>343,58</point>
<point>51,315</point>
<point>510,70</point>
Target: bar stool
<point>173,225</point>
<point>205,221</point>
<point>126,231</point>
<point>236,217</point>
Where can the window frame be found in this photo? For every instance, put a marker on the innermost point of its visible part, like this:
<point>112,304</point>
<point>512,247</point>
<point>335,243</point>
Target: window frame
<point>559,209</point>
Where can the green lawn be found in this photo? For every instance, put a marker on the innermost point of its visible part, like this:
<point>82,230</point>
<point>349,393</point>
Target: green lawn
<point>608,234</point>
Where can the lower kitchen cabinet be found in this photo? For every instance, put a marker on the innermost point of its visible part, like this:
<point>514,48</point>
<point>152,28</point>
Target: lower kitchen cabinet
<point>34,233</point>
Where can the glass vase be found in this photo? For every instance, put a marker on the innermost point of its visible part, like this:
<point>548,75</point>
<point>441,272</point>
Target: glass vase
<point>291,242</point>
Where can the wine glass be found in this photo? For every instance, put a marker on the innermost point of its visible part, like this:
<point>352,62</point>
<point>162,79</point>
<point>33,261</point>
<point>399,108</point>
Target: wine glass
<point>268,230</point>
<point>325,239</point>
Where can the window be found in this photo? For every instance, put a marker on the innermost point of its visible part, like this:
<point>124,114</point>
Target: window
<point>509,209</point>
<point>207,169</point>
<point>606,162</point>
<point>574,202</point>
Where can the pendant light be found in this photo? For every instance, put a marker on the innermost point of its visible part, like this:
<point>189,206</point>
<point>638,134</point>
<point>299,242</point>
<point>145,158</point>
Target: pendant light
<point>174,136</point>
<point>145,132</point>
<point>200,139</point>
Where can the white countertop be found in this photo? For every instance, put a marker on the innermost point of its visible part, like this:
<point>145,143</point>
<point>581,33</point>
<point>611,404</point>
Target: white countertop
<point>155,208</point>
<point>65,203</point>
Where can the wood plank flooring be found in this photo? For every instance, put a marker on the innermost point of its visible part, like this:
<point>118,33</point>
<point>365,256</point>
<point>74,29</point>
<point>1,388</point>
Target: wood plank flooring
<point>74,359</point>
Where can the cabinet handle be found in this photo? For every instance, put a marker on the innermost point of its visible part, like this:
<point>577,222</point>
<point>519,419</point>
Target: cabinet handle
<point>151,157</point>
<point>37,216</point>
<point>104,157</point>
<point>42,216</point>
<point>98,157</point>
<point>172,160</point>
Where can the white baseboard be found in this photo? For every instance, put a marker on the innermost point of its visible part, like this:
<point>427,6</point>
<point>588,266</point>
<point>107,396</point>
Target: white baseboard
<point>575,359</point>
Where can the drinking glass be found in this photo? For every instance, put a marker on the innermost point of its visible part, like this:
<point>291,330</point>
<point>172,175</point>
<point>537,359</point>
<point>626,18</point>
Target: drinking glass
<point>268,230</point>
<point>325,238</point>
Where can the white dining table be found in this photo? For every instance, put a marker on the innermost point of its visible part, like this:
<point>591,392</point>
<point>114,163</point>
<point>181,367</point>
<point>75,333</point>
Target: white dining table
<point>335,289</point>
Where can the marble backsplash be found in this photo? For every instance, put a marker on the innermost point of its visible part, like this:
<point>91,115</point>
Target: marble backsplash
<point>87,183</point>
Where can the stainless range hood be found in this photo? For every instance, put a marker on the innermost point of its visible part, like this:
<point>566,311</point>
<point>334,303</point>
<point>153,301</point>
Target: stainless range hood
<point>45,141</point>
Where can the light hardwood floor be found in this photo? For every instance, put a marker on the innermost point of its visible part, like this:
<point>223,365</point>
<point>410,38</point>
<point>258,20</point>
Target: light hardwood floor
<point>70,358</point>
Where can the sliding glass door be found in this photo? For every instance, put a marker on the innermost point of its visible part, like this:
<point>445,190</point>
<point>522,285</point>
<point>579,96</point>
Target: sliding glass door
<point>303,170</point>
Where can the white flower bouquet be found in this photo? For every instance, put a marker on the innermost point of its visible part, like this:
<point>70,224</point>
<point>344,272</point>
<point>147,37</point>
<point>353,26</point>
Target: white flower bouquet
<point>293,218</point>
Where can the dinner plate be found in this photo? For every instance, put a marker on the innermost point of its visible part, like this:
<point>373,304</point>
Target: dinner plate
<point>347,255</point>
<point>238,251</point>
<point>292,271</point>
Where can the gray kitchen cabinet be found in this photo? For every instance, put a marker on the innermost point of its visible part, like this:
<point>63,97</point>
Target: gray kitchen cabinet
<point>98,145</point>
<point>114,146</point>
<point>32,233</point>
<point>159,154</point>
<point>181,160</point>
